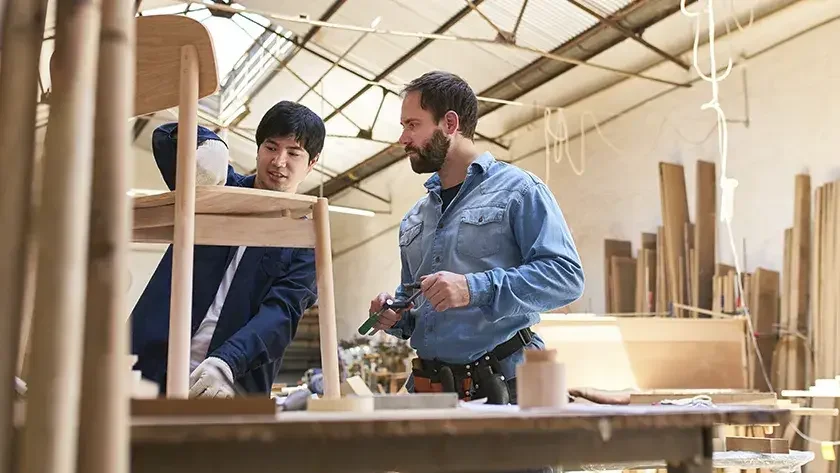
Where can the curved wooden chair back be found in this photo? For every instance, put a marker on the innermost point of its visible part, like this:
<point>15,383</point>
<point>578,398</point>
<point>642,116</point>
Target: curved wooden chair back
<point>158,52</point>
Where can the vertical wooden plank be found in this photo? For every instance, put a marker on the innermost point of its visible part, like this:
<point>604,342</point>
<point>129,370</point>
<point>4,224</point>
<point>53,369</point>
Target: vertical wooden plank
<point>104,423</point>
<point>674,216</point>
<point>613,248</point>
<point>705,233</point>
<point>623,285</point>
<point>814,335</point>
<point>183,241</point>
<point>649,241</point>
<point>661,273</point>
<point>800,274</point>
<point>23,30</point>
<point>49,437</point>
<point>764,307</point>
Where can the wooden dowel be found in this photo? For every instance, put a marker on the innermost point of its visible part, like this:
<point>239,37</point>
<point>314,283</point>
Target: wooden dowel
<point>52,409</point>
<point>180,310</point>
<point>326,300</point>
<point>23,29</point>
<point>104,423</point>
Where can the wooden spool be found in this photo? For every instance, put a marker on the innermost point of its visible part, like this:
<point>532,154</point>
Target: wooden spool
<point>541,381</point>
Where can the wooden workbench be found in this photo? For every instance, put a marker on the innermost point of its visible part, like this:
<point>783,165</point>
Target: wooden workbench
<point>438,440</point>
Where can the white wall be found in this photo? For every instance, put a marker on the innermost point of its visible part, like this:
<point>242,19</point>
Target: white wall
<point>794,112</point>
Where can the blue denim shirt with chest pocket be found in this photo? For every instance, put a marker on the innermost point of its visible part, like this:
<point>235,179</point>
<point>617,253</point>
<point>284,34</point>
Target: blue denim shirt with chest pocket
<point>503,230</point>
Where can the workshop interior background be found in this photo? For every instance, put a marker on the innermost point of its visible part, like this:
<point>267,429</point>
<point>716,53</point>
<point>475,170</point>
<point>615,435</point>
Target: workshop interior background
<point>780,102</point>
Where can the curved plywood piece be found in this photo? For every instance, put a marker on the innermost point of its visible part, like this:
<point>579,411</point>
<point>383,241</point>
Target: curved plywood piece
<point>158,74</point>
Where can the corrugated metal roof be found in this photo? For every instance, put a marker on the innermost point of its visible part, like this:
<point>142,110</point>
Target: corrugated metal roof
<point>546,24</point>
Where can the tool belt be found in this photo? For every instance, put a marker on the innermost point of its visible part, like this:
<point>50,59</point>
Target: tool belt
<point>480,378</point>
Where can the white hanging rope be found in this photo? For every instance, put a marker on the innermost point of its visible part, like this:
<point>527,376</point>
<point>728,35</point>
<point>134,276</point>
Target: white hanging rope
<point>727,184</point>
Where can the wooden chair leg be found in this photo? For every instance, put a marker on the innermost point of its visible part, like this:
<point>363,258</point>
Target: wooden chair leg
<point>49,437</point>
<point>326,300</point>
<point>180,311</point>
<point>23,29</point>
<point>104,433</point>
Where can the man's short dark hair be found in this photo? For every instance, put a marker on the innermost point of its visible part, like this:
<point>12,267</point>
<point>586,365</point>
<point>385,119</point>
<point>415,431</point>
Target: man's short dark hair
<point>441,92</point>
<point>286,119</point>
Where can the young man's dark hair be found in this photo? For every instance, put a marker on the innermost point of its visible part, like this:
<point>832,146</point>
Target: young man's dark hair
<point>290,119</point>
<point>443,91</point>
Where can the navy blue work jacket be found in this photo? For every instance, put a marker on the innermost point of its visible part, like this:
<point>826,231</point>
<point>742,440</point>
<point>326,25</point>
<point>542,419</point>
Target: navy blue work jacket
<point>268,295</point>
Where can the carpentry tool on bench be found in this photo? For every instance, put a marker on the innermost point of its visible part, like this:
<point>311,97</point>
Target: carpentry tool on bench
<point>391,304</point>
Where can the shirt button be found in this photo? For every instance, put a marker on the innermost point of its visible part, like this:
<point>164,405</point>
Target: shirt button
<point>440,225</point>
<point>437,259</point>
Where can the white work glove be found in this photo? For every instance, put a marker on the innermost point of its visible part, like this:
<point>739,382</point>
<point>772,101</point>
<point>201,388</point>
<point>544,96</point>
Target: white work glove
<point>212,378</point>
<point>211,159</point>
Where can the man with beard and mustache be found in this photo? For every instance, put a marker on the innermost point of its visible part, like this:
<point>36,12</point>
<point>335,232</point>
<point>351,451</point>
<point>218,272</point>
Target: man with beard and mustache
<point>488,245</point>
<point>246,301</point>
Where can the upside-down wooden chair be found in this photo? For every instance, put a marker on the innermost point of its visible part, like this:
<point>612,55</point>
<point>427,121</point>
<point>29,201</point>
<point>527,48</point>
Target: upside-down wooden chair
<point>176,66</point>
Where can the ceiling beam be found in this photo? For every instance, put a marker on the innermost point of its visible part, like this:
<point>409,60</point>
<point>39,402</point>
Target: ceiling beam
<point>299,45</point>
<point>636,17</point>
<point>405,58</point>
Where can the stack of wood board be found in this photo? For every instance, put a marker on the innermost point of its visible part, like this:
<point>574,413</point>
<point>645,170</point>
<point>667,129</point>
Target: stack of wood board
<point>675,264</point>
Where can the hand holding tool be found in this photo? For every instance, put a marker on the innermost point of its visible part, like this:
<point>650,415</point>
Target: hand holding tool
<point>391,304</point>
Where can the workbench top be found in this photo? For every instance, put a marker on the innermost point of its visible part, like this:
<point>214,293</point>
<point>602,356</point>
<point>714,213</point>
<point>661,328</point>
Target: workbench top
<point>465,439</point>
<point>460,421</point>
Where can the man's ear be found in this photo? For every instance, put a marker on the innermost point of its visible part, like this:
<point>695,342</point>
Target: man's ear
<point>451,122</point>
<point>312,162</point>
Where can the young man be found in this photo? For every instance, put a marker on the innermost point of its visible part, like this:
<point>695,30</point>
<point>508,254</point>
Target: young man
<point>488,243</point>
<point>246,301</point>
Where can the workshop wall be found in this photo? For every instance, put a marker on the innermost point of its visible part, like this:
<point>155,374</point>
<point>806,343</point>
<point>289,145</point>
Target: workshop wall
<point>794,110</point>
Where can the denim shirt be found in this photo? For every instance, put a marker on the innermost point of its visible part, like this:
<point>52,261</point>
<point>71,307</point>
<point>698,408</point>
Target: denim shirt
<point>506,233</point>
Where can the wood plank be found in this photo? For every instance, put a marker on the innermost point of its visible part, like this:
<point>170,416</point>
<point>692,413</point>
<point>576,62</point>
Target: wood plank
<point>237,406</point>
<point>758,445</point>
<point>613,248</point>
<point>231,200</point>
<point>649,241</point>
<point>705,233</point>
<point>234,230</point>
<point>623,286</point>
<point>800,274</point>
<point>674,217</point>
<point>764,312</point>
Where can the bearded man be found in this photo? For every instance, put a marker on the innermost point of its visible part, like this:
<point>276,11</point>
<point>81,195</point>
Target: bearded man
<point>487,244</point>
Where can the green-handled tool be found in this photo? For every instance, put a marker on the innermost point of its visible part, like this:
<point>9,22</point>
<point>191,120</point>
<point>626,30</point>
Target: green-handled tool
<point>390,304</point>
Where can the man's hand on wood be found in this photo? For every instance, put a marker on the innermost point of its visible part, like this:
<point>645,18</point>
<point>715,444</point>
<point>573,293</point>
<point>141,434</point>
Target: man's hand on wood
<point>445,290</point>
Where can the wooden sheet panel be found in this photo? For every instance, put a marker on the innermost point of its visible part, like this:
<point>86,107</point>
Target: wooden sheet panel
<point>648,353</point>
